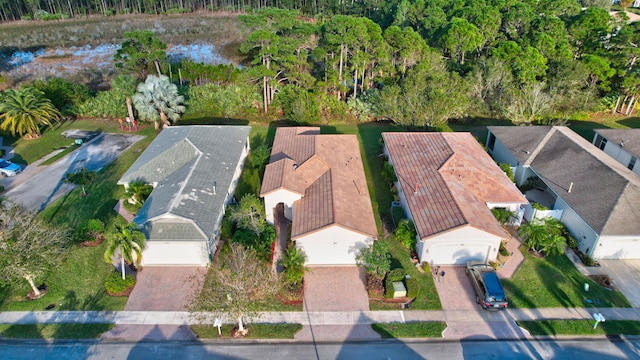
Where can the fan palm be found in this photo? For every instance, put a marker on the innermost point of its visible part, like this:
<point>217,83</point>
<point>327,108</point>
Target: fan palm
<point>22,111</point>
<point>293,263</point>
<point>129,241</point>
<point>157,100</point>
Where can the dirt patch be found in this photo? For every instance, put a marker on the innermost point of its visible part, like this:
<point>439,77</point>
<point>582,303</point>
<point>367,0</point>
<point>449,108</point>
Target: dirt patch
<point>604,281</point>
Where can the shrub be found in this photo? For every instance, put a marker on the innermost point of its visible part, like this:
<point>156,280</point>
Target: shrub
<point>413,287</point>
<point>502,215</point>
<point>406,234</point>
<point>503,250</point>
<point>507,170</point>
<point>388,289</point>
<point>397,274</point>
<point>299,105</point>
<point>360,108</point>
<point>388,173</point>
<point>571,241</point>
<point>588,260</point>
<point>227,228</point>
<point>179,11</point>
<point>261,244</point>
<point>114,283</point>
<point>539,206</point>
<point>93,229</point>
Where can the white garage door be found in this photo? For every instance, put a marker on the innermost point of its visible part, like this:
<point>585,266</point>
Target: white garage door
<point>618,249</point>
<point>175,253</point>
<point>456,254</point>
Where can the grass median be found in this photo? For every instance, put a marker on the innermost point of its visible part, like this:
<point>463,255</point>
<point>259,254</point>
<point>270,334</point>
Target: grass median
<point>54,331</point>
<point>256,331</point>
<point>581,327</point>
<point>418,329</point>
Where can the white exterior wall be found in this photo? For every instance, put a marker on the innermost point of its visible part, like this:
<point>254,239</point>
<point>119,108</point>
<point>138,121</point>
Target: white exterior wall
<point>501,154</point>
<point>459,246</point>
<point>617,247</point>
<point>621,155</point>
<point>280,196</point>
<point>332,246</point>
<point>586,236</point>
<point>193,253</point>
<point>236,174</point>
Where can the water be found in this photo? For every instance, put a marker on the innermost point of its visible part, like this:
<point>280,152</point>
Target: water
<point>65,62</point>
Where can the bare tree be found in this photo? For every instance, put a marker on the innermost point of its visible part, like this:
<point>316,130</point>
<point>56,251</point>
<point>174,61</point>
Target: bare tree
<point>236,286</point>
<point>528,104</point>
<point>29,246</point>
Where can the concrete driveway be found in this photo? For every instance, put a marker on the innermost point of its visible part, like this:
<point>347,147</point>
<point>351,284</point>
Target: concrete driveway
<point>464,317</point>
<point>626,277</point>
<point>38,186</point>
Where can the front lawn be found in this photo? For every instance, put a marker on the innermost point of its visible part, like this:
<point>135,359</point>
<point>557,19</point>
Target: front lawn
<point>54,331</point>
<point>581,327</point>
<point>411,329</point>
<point>256,331</point>
<point>78,283</point>
<point>553,281</point>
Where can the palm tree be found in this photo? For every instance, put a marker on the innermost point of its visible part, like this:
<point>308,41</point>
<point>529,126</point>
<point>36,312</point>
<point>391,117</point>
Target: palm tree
<point>157,99</point>
<point>138,191</point>
<point>533,233</point>
<point>293,263</point>
<point>22,111</point>
<point>129,241</point>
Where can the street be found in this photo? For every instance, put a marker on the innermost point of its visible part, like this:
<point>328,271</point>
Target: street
<point>589,348</point>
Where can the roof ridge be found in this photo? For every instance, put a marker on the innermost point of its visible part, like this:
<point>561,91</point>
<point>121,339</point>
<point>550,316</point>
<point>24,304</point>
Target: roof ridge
<point>601,156</point>
<point>172,203</point>
<point>540,145</point>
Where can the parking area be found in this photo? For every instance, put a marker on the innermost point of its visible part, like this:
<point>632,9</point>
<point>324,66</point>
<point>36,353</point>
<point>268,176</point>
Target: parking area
<point>465,318</point>
<point>38,186</point>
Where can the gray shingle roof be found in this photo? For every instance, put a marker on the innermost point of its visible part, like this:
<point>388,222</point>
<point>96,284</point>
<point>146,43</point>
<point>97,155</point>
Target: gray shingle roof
<point>629,137</point>
<point>185,163</point>
<point>604,193</point>
<point>522,147</point>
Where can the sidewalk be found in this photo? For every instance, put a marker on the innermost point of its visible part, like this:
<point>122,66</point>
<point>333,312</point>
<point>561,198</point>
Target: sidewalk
<point>312,318</point>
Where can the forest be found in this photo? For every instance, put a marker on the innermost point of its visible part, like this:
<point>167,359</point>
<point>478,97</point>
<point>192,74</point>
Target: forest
<point>418,63</point>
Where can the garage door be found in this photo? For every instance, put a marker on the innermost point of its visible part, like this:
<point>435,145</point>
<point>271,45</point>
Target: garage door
<point>456,254</point>
<point>618,249</point>
<point>175,253</point>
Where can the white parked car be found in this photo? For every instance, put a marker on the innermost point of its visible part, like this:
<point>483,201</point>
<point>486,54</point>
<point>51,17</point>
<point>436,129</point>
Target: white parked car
<point>7,168</point>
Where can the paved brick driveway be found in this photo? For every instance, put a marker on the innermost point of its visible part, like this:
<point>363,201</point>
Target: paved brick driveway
<point>466,319</point>
<point>335,288</point>
<point>160,289</point>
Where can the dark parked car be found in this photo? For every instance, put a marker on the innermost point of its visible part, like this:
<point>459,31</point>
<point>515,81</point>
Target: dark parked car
<point>489,291</point>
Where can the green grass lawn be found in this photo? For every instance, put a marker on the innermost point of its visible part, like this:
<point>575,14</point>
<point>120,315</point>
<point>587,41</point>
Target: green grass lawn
<point>410,329</point>
<point>54,331</point>
<point>256,331</point>
<point>28,151</point>
<point>553,281</point>
<point>581,327</point>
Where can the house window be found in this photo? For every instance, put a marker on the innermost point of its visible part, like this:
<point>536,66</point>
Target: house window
<point>602,144</point>
<point>492,141</point>
<point>632,163</point>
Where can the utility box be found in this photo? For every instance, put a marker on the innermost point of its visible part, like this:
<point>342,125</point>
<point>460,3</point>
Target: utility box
<point>399,291</point>
<point>79,141</point>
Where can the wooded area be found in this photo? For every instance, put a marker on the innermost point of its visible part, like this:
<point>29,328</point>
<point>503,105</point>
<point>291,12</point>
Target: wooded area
<point>417,62</point>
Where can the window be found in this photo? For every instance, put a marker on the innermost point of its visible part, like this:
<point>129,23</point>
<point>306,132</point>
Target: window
<point>492,141</point>
<point>603,143</point>
<point>632,163</point>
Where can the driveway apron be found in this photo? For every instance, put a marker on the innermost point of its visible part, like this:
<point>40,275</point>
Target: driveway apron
<point>626,277</point>
<point>465,318</point>
<point>335,289</point>
<point>161,288</point>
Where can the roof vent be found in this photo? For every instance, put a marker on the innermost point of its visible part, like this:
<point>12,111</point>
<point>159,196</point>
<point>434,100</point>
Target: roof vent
<point>214,187</point>
<point>295,166</point>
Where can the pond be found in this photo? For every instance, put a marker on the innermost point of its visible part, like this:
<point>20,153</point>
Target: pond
<point>43,63</point>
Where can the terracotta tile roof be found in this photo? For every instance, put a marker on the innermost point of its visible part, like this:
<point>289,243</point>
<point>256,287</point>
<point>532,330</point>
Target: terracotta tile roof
<point>448,179</point>
<point>329,172</point>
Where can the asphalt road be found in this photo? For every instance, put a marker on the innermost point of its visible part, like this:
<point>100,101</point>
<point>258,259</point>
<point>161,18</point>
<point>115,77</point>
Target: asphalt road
<point>593,348</point>
<point>38,186</point>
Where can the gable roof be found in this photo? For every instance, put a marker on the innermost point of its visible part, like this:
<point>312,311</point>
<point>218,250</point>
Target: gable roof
<point>630,138</point>
<point>605,194</point>
<point>192,168</point>
<point>327,171</point>
<point>448,179</point>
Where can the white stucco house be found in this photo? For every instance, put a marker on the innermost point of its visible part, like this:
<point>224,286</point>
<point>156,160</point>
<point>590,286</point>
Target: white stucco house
<point>320,182</point>
<point>599,196</point>
<point>621,144</point>
<point>194,171</point>
<point>447,186</point>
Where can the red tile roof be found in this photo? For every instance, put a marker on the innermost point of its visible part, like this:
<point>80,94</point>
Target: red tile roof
<point>448,179</point>
<point>328,170</point>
